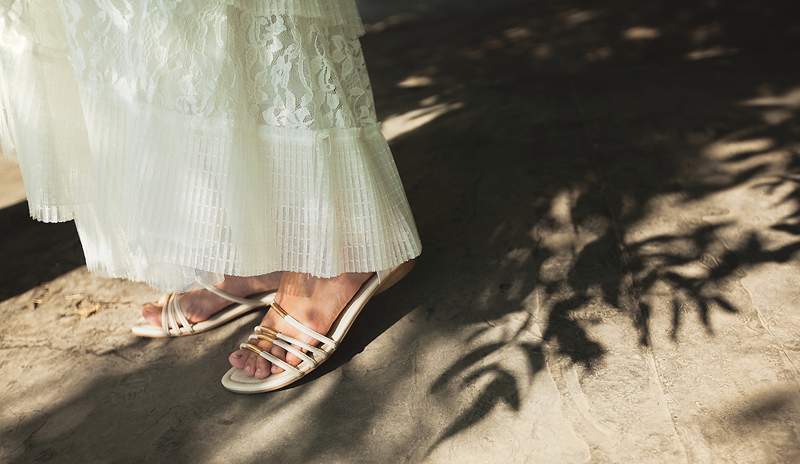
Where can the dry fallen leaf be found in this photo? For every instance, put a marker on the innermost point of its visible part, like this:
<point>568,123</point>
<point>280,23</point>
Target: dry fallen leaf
<point>87,310</point>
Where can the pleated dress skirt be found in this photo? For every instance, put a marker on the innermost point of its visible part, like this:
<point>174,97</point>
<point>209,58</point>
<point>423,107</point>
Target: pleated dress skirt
<point>198,138</point>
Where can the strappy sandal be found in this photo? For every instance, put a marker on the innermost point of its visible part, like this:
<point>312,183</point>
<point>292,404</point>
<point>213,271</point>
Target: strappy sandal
<point>174,322</point>
<point>236,380</point>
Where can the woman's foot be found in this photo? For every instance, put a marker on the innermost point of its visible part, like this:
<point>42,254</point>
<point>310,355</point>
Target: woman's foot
<point>314,302</point>
<point>200,304</point>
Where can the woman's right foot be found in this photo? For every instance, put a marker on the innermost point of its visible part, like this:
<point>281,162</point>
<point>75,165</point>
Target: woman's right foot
<point>200,304</point>
<point>315,302</point>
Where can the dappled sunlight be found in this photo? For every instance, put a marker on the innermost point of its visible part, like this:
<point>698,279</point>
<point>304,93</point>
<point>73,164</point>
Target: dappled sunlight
<point>576,17</point>
<point>414,82</point>
<point>731,148</point>
<point>710,53</point>
<point>789,99</point>
<point>390,22</point>
<point>641,33</point>
<point>395,126</point>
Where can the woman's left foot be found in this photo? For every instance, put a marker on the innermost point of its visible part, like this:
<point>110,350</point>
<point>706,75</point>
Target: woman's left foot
<point>313,301</point>
<point>200,304</point>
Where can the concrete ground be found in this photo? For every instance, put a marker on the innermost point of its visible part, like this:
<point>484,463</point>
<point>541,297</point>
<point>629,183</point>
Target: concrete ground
<point>609,202</point>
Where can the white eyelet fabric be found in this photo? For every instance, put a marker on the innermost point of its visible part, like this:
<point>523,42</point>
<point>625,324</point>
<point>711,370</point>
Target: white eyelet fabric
<point>197,137</point>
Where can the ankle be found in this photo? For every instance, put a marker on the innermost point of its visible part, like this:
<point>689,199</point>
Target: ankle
<point>249,284</point>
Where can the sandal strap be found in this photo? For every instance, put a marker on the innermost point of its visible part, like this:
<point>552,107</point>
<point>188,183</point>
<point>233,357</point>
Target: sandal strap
<point>173,319</point>
<point>316,350</point>
<point>223,294</point>
<point>269,357</point>
<point>180,316</point>
<point>166,315</point>
<point>302,327</point>
<point>285,346</point>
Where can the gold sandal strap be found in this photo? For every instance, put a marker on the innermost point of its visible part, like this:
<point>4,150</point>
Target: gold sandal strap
<point>271,335</point>
<point>279,309</point>
<point>269,357</point>
<point>300,326</point>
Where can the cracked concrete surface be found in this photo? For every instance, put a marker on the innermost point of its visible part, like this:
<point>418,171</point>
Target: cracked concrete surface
<point>608,201</point>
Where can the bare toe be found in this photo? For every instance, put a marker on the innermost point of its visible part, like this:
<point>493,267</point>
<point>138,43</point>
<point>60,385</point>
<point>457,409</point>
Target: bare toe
<point>279,353</point>
<point>250,365</point>
<point>262,368</point>
<point>292,359</point>
<point>152,313</point>
<point>238,358</point>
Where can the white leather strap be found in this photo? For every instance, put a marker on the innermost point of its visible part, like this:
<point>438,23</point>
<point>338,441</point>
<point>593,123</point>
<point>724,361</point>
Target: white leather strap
<point>173,319</point>
<point>228,296</point>
<point>300,326</point>
<point>287,347</point>
<point>311,333</point>
<point>291,349</point>
<point>270,357</point>
<point>165,315</point>
<point>319,353</point>
<point>180,316</point>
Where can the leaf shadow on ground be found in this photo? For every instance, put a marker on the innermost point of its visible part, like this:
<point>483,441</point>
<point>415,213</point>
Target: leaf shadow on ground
<point>564,128</point>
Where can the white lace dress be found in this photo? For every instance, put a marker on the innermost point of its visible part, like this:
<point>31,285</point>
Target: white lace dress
<point>202,137</point>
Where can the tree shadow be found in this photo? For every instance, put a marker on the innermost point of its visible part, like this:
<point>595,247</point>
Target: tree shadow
<point>610,110</point>
<point>771,412</point>
<point>34,252</point>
